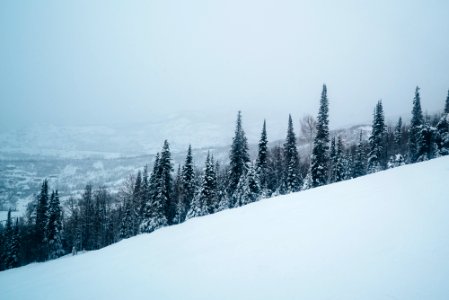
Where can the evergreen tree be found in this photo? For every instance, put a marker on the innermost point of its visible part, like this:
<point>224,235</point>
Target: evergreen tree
<point>86,219</point>
<point>41,212</point>
<point>446,107</point>
<point>319,161</point>
<point>359,161</point>
<point>262,157</point>
<point>127,224</point>
<point>12,256</point>
<point>415,127</point>
<point>398,136</point>
<point>443,134</point>
<point>238,157</point>
<point>426,143</point>
<point>332,160</point>
<point>276,167</point>
<point>154,215</point>
<point>145,192</point>
<point>188,185</point>
<point>248,189</point>
<point>376,156</point>
<point>53,234</point>
<point>293,180</point>
<point>206,201</point>
<point>137,203</point>
<point>165,194</point>
<point>339,168</point>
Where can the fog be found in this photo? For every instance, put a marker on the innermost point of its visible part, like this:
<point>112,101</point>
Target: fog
<point>100,62</point>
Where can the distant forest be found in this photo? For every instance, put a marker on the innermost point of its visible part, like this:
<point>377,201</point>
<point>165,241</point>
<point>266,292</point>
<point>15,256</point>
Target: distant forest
<point>159,196</point>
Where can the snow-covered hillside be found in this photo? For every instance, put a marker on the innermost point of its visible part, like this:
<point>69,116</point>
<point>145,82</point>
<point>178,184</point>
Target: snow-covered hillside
<point>382,236</point>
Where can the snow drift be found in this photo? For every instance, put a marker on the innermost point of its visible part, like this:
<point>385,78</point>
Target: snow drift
<point>382,236</point>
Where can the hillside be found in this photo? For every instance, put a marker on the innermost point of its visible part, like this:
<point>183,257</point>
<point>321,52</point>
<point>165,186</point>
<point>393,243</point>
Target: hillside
<point>382,236</point>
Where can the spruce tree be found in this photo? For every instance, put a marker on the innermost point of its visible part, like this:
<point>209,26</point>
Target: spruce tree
<point>262,157</point>
<point>248,189</point>
<point>165,194</point>
<point>398,136</point>
<point>188,184</point>
<point>426,143</point>
<point>293,180</point>
<point>446,107</point>
<point>53,234</point>
<point>137,202</point>
<point>359,160</point>
<point>376,156</point>
<point>41,212</point>
<point>154,215</point>
<point>415,127</point>
<point>238,157</point>
<point>127,223</point>
<point>206,201</point>
<point>332,160</point>
<point>320,160</point>
<point>339,167</point>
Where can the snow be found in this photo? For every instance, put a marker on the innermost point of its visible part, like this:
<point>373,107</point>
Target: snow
<point>382,236</point>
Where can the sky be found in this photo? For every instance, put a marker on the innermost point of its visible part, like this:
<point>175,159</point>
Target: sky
<point>100,62</point>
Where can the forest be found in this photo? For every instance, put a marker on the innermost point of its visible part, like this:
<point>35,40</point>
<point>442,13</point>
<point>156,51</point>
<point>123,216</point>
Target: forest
<point>158,195</point>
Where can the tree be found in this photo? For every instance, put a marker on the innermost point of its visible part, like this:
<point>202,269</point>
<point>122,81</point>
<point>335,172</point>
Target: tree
<point>41,220</point>
<point>293,180</point>
<point>127,224</point>
<point>239,158</point>
<point>359,161</point>
<point>376,156</point>
<point>262,157</point>
<point>53,234</point>
<point>136,203</point>
<point>165,192</point>
<point>398,136</point>
<point>426,143</point>
<point>443,134</point>
<point>154,215</point>
<point>206,201</point>
<point>319,162</point>
<point>248,189</point>
<point>339,167</point>
<point>188,185</point>
<point>332,160</point>
<point>446,107</point>
<point>415,127</point>
<point>86,219</point>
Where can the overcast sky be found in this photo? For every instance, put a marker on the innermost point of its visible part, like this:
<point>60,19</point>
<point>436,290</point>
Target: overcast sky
<point>94,62</point>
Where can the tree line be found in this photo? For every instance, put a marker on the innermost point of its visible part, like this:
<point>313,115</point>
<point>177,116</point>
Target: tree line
<point>162,196</point>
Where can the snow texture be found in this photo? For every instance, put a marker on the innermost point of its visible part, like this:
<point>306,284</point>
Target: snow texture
<point>381,236</point>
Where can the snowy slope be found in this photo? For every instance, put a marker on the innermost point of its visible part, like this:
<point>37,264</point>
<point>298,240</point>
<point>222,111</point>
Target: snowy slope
<point>382,236</point>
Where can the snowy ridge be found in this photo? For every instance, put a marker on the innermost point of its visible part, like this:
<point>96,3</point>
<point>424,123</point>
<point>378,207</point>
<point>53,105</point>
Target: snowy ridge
<point>381,236</point>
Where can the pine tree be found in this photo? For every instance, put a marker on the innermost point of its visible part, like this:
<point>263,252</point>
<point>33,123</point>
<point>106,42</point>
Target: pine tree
<point>262,157</point>
<point>276,167</point>
<point>53,232</point>
<point>248,189</point>
<point>443,134</point>
<point>188,185</point>
<point>206,201</point>
<point>136,203</point>
<point>41,212</point>
<point>376,156</point>
<point>145,195</point>
<point>332,160</point>
<point>339,167</point>
<point>86,219</point>
<point>154,215</point>
<point>127,224</point>
<point>239,157</point>
<point>293,180</point>
<point>415,127</point>
<point>398,136</point>
<point>359,161</point>
<point>165,194</point>
<point>426,143</point>
<point>320,160</point>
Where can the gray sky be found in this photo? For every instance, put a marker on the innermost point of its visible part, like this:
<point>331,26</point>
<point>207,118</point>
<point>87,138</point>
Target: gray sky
<point>93,62</point>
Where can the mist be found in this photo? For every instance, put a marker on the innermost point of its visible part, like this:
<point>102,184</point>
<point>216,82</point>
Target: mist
<point>103,62</point>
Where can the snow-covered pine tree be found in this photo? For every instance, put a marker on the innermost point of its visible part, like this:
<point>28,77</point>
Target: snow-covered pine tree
<point>238,157</point>
<point>338,171</point>
<point>165,193</point>
<point>415,127</point>
<point>145,193</point>
<point>376,156</point>
<point>87,219</point>
<point>136,203</point>
<point>398,133</point>
<point>154,215</point>
<point>53,232</point>
<point>426,142</point>
<point>188,185</point>
<point>332,160</point>
<point>293,180</point>
<point>248,189</point>
<point>307,182</point>
<point>320,160</point>
<point>41,212</point>
<point>276,167</point>
<point>359,160</point>
<point>207,196</point>
<point>127,223</point>
<point>262,159</point>
<point>443,134</point>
